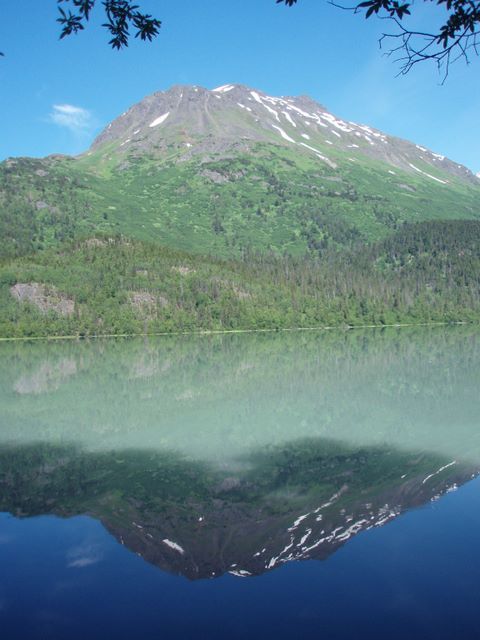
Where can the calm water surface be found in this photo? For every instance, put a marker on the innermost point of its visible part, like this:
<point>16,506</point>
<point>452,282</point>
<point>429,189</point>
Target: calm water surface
<point>244,486</point>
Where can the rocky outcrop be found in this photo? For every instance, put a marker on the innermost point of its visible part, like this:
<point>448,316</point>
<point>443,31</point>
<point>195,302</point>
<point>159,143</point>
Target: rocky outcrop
<point>46,298</point>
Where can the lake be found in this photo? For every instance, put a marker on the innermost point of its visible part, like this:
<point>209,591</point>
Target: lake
<point>285,485</point>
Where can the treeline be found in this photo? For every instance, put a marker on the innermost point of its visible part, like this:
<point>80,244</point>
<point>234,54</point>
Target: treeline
<point>425,272</point>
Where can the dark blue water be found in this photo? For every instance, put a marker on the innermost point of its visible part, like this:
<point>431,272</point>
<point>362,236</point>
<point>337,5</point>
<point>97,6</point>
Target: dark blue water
<point>417,577</point>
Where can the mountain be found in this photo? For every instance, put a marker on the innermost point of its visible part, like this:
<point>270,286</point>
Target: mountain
<point>224,170</point>
<point>192,122</point>
<point>238,176</point>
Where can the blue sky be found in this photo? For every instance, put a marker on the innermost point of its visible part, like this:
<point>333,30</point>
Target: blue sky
<point>56,95</point>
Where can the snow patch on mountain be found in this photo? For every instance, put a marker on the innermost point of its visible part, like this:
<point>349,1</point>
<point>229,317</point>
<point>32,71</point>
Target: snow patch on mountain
<point>283,134</point>
<point>224,88</point>
<point>320,155</point>
<point>159,120</point>
<point>173,545</point>
<point>427,174</point>
<point>289,118</point>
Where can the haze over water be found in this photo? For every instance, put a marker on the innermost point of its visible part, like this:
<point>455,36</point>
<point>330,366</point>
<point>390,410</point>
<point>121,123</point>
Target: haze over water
<point>241,485</point>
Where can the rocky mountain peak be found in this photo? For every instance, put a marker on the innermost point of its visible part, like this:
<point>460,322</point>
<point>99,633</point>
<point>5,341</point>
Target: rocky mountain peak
<point>191,121</point>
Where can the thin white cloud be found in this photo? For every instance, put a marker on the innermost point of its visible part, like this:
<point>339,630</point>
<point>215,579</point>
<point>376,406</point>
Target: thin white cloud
<point>77,119</point>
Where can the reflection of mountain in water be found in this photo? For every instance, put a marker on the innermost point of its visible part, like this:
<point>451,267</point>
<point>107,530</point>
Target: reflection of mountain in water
<point>239,453</point>
<point>300,501</point>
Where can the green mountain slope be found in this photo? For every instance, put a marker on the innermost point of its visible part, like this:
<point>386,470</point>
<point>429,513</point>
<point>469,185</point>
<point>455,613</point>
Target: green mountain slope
<point>229,170</point>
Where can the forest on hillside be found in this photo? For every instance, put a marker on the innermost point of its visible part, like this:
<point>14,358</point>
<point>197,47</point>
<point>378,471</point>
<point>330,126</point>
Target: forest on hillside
<point>424,272</point>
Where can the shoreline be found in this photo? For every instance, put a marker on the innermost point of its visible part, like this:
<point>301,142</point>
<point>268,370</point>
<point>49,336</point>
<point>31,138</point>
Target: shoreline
<point>208,332</point>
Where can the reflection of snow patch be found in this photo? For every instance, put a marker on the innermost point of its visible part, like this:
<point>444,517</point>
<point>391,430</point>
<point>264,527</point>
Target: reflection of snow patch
<point>241,573</point>
<point>439,471</point>
<point>304,538</point>
<point>353,529</point>
<point>289,546</point>
<point>298,521</point>
<point>173,545</point>
<point>329,502</point>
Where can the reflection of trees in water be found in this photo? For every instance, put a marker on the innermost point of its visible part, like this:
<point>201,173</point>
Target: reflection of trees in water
<point>234,392</point>
<point>241,355</point>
